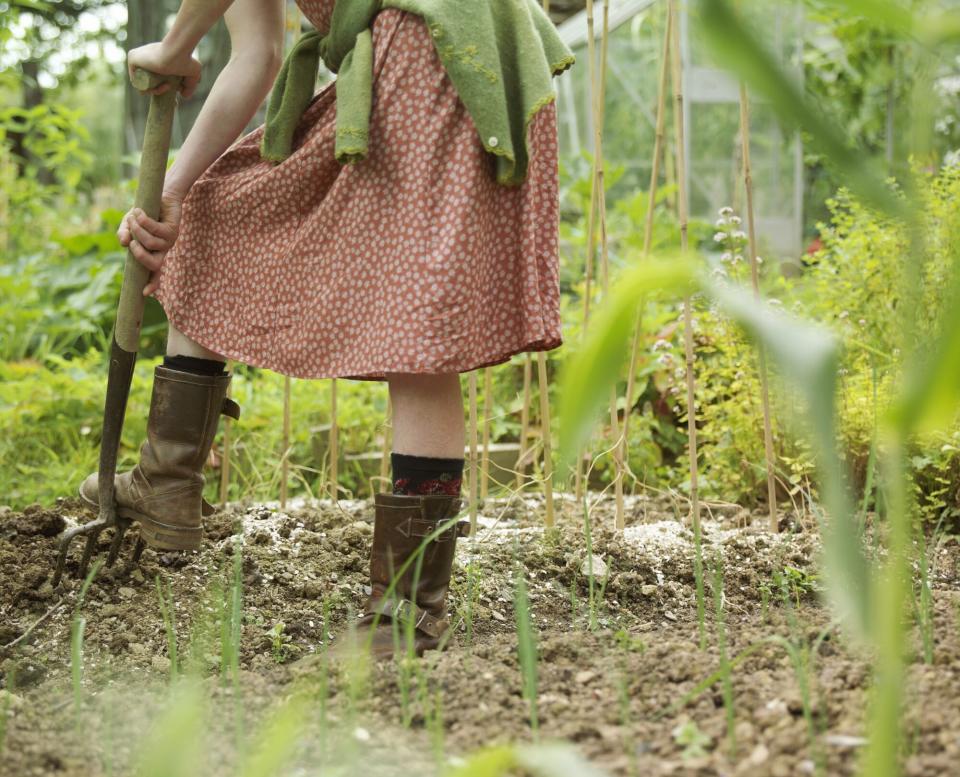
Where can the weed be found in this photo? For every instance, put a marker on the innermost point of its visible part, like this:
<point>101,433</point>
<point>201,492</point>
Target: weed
<point>76,638</point>
<point>693,741</point>
<point>725,668</point>
<point>165,598</point>
<point>527,648</point>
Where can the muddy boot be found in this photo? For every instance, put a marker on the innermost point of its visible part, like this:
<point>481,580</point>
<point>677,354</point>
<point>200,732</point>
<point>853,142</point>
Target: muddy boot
<point>401,524</point>
<point>164,492</point>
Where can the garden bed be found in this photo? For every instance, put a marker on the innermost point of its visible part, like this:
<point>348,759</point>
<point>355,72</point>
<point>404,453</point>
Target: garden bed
<point>618,652</point>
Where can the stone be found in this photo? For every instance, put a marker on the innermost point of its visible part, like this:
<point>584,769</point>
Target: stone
<point>599,567</point>
<point>127,593</point>
<point>648,590</point>
<point>584,677</point>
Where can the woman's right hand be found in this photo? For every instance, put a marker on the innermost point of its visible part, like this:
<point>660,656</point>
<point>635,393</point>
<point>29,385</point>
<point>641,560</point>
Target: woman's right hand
<point>159,58</point>
<point>150,240</point>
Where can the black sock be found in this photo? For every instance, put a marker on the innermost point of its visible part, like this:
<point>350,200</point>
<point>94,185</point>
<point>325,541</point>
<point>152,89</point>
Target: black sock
<point>426,475</point>
<point>192,364</point>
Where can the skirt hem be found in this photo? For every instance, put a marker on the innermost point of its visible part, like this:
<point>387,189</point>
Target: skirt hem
<point>371,373</point>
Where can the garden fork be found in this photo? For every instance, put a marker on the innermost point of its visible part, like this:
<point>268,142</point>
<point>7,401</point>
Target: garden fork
<point>126,333</point>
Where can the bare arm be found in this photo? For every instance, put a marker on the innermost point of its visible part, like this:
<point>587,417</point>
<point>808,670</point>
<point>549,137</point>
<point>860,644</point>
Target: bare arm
<point>256,43</point>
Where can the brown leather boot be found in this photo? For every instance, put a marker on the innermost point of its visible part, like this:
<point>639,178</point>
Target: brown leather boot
<point>164,492</point>
<point>401,524</point>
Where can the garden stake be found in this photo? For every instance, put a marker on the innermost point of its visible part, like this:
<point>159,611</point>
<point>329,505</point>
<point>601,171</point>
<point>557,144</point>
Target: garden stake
<point>648,226</point>
<point>755,277</point>
<point>524,417</point>
<point>225,460</point>
<point>385,458</point>
<point>334,442</point>
<point>487,405</point>
<point>285,460</point>
<point>683,207</point>
<point>126,333</point>
<point>545,434</point>
<point>473,453</point>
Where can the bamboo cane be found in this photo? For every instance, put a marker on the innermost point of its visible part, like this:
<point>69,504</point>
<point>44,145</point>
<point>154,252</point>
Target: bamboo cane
<point>549,519</point>
<point>473,453</point>
<point>285,461</point>
<point>334,443</point>
<point>683,206</point>
<point>487,406</point>
<point>648,226</point>
<point>591,214</point>
<point>387,439</point>
<point>755,278</point>
<point>225,459</point>
<point>525,416</point>
<point>545,419</point>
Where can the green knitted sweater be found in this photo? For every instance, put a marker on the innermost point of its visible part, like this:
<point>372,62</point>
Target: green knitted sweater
<point>500,55</point>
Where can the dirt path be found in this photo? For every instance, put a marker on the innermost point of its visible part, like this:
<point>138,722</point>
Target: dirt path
<point>614,668</point>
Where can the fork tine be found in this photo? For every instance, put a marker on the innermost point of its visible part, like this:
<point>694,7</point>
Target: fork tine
<point>118,532</point>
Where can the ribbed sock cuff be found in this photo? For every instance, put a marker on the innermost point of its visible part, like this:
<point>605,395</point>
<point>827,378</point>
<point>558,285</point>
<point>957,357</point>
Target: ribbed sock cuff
<point>426,475</point>
<point>195,366</point>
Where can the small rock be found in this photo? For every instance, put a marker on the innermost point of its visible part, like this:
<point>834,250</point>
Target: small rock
<point>127,593</point>
<point>361,734</point>
<point>844,740</point>
<point>160,663</point>
<point>498,616</point>
<point>137,576</point>
<point>670,616</point>
<point>599,566</point>
<point>648,590</point>
<point>759,755</point>
<point>584,677</point>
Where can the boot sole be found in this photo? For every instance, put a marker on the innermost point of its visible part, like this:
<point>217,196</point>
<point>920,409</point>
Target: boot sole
<point>156,534</point>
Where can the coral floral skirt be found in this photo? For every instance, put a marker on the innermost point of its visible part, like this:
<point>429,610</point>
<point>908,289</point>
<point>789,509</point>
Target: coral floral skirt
<point>414,260</point>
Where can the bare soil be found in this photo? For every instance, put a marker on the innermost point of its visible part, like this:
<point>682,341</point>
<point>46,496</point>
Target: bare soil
<point>618,678</point>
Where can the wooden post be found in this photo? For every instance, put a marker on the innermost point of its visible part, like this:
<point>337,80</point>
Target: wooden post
<point>658,144</point>
<point>549,518</point>
<point>487,409</point>
<point>334,444</point>
<point>473,453</point>
<point>755,277</point>
<point>387,447</point>
<point>225,457</point>
<point>683,207</point>
<point>285,461</point>
<point>525,415</point>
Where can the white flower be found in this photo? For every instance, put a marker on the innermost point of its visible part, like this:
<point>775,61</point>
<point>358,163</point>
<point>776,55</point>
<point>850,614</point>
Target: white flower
<point>736,221</point>
<point>759,260</point>
<point>844,314</point>
<point>719,272</point>
<point>726,257</point>
<point>726,211</point>
<point>739,234</point>
<point>719,237</point>
<point>720,223</point>
<point>661,345</point>
<point>775,302</point>
<point>738,258</point>
<point>665,359</point>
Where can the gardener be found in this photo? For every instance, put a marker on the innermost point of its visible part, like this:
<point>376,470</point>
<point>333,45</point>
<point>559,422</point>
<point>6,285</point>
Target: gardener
<point>401,225</point>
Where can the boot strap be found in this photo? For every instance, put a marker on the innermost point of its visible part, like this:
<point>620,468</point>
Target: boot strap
<point>404,611</point>
<point>230,409</point>
<point>422,527</point>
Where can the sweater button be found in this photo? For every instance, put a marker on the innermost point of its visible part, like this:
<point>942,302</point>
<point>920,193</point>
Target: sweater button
<point>493,142</point>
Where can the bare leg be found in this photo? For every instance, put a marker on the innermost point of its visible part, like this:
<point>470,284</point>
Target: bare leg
<point>427,415</point>
<point>178,344</point>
